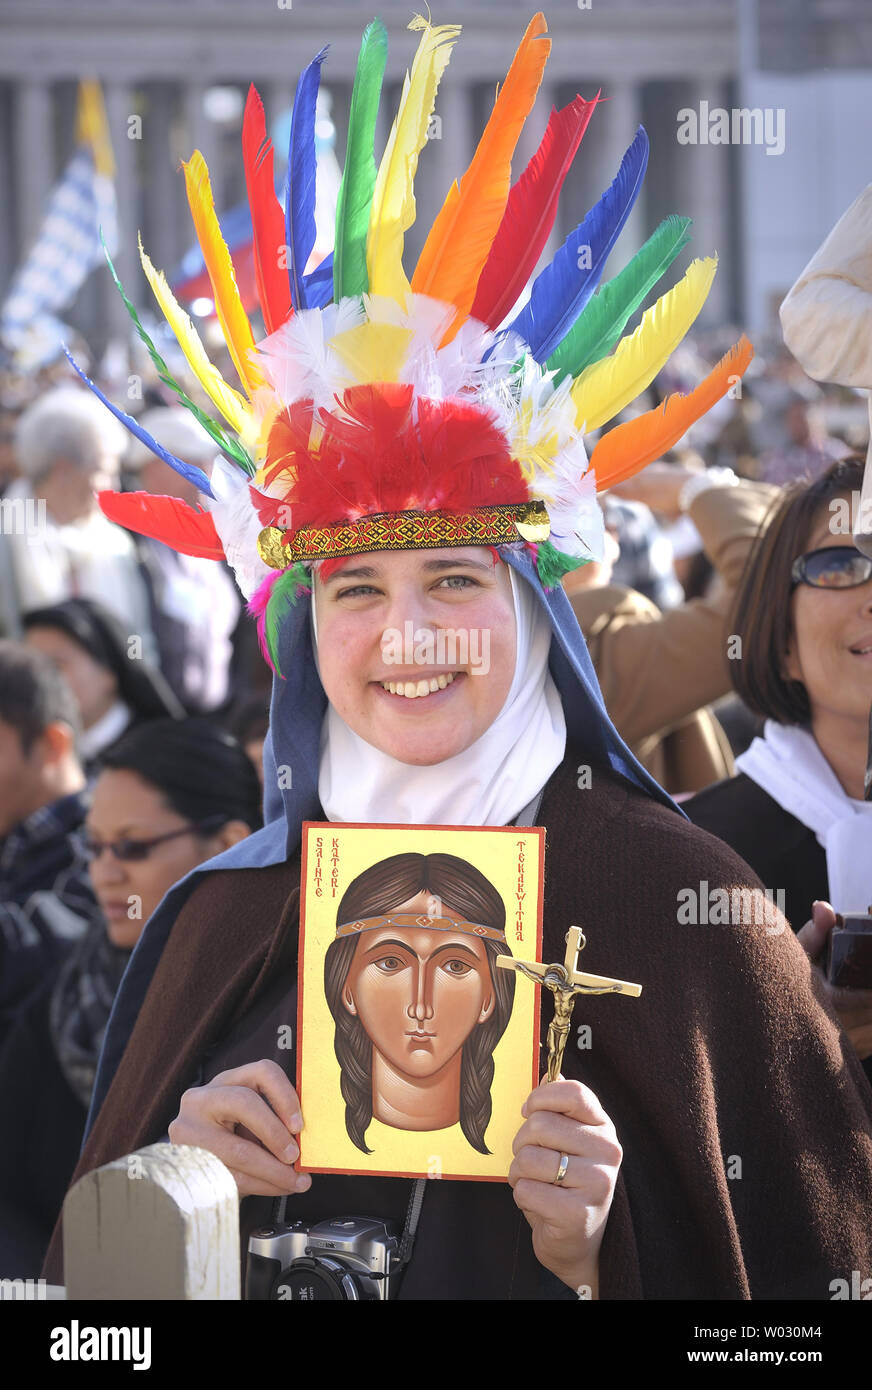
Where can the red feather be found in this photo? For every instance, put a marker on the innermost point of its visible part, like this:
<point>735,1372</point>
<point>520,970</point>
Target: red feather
<point>530,213</point>
<point>376,455</point>
<point>166,519</point>
<point>267,216</point>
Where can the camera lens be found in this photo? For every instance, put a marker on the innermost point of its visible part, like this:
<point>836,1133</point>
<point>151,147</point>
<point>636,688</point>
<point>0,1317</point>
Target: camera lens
<point>310,1281</point>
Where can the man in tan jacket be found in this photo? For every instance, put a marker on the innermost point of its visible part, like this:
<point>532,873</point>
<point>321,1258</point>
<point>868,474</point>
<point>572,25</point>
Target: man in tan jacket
<point>660,670</point>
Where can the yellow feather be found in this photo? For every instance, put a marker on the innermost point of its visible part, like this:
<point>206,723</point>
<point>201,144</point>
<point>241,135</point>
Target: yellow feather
<point>228,305</point>
<point>461,237</point>
<point>232,405</point>
<point>529,451</point>
<point>604,388</point>
<point>393,204</point>
<point>373,351</point>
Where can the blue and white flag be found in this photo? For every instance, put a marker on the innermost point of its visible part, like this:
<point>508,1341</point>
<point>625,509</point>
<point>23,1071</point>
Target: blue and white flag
<point>65,252</point>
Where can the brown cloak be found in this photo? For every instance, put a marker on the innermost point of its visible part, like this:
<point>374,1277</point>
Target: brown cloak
<point>743,1111</point>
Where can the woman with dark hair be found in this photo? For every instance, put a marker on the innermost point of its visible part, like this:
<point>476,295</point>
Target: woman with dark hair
<point>795,809</point>
<point>171,794</point>
<point>378,1060</point>
<point>115,686</point>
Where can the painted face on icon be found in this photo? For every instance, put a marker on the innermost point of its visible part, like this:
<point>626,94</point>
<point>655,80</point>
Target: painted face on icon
<point>419,993</point>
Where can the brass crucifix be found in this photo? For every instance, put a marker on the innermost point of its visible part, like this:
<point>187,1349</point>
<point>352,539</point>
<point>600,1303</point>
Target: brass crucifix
<point>565,982</point>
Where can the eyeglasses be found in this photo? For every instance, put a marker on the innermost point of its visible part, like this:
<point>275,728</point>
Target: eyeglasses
<point>133,851</point>
<point>834,567</point>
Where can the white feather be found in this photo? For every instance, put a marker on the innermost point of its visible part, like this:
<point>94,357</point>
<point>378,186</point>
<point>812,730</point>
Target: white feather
<point>238,525</point>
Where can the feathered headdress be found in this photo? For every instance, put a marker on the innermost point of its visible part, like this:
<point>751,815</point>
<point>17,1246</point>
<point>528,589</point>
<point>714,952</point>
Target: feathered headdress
<point>387,413</point>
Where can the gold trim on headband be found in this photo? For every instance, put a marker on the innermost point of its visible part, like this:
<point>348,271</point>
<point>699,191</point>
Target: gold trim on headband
<point>419,919</point>
<point>499,525</point>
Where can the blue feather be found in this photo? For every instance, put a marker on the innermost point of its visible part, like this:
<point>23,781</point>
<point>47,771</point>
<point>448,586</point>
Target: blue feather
<point>319,284</point>
<point>190,471</point>
<point>300,181</point>
<point>562,289</point>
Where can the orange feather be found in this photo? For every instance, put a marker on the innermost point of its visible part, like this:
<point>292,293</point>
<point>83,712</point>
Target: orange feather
<point>631,446</point>
<point>461,237</point>
<point>228,304</point>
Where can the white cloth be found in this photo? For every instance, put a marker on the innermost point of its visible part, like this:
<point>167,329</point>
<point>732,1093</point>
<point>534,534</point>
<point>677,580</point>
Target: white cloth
<point>89,558</point>
<point>107,729</point>
<point>788,764</point>
<point>489,783</point>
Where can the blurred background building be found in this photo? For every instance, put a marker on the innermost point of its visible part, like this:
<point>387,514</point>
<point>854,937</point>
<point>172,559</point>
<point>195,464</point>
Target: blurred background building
<point>175,76</point>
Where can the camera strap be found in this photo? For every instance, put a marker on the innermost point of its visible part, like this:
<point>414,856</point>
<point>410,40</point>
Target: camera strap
<point>413,1214</point>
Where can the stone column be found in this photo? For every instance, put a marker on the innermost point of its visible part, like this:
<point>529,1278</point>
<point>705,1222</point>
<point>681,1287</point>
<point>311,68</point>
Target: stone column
<point>125,134</point>
<point>8,228</point>
<point>701,182</point>
<point>165,182</point>
<point>611,130</point>
<point>201,131</point>
<point>530,139</point>
<point>443,159</point>
<point>33,156</point>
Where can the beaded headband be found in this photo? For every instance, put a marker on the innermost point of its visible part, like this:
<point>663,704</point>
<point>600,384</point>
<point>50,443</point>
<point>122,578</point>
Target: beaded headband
<point>417,919</point>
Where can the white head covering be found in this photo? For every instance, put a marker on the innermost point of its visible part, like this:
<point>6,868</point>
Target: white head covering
<point>489,783</point>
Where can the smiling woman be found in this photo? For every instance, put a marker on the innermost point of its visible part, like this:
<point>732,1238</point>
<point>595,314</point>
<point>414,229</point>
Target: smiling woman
<point>417,1003</point>
<point>795,810</point>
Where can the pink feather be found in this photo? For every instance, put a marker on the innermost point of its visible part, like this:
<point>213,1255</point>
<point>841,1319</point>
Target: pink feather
<point>257,606</point>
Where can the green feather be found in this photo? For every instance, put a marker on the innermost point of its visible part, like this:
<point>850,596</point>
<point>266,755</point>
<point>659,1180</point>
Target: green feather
<point>552,564</point>
<point>600,325</point>
<point>356,190</point>
<point>225,442</point>
<point>284,596</point>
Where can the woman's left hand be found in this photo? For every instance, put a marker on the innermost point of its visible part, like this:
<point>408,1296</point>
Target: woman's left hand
<point>568,1219</point>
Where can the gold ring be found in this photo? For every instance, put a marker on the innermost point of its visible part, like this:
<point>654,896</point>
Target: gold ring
<point>561,1171</point>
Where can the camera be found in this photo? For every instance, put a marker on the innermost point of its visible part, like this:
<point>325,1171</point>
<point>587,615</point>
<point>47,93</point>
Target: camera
<point>849,951</point>
<point>344,1259</point>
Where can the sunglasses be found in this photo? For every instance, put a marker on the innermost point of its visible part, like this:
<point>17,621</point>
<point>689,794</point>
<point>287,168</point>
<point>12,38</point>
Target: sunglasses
<point>134,851</point>
<point>834,567</point>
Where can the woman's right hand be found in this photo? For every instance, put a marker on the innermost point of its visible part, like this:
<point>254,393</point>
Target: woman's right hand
<point>248,1118</point>
<point>853,1006</point>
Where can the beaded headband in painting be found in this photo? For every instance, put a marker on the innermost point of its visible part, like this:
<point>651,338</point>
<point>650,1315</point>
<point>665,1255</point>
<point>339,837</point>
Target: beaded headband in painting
<point>385,413</point>
<point>416,919</point>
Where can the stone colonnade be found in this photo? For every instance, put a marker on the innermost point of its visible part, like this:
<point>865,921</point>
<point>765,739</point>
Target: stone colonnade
<point>697,181</point>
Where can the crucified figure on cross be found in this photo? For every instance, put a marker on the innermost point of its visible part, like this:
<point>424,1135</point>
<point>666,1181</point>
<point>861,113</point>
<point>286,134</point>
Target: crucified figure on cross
<point>565,982</point>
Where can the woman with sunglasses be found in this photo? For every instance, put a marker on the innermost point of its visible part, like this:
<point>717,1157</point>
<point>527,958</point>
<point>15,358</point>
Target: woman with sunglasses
<point>795,810</point>
<point>170,795</point>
